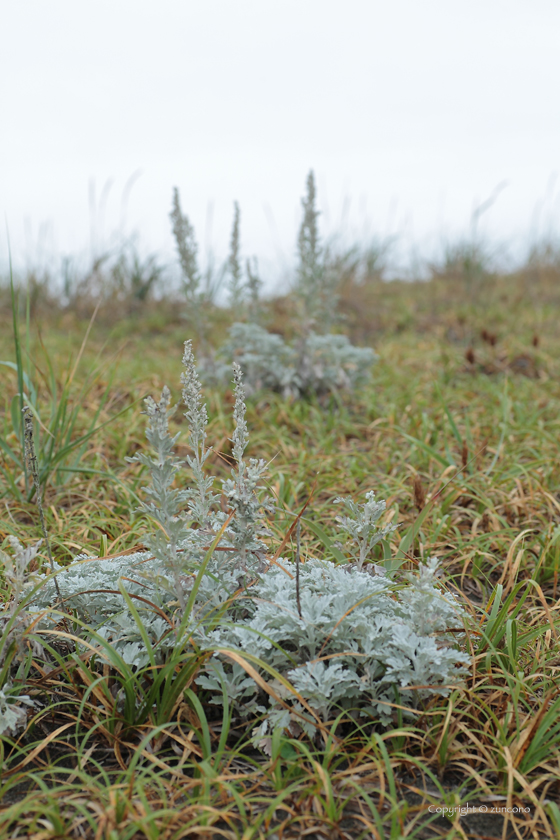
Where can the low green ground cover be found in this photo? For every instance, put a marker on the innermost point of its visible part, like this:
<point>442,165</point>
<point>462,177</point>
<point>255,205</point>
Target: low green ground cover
<point>458,430</point>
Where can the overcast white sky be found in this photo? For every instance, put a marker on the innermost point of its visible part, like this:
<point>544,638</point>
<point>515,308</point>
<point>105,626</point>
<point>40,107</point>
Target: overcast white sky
<point>410,112</point>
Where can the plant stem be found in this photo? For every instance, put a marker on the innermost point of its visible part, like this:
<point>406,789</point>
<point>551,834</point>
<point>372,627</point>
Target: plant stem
<point>32,460</point>
<point>298,551</point>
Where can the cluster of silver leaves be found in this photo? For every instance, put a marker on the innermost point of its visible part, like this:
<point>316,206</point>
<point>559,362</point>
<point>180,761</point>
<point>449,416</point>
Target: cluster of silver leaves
<point>312,365</point>
<point>344,638</point>
<point>361,525</point>
<point>357,638</point>
<point>14,622</point>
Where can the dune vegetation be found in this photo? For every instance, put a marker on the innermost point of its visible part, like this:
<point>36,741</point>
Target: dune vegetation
<point>454,421</point>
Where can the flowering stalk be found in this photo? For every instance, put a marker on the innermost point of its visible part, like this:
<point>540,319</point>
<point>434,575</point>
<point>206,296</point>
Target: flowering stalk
<point>31,457</point>
<point>165,502</point>
<point>200,499</point>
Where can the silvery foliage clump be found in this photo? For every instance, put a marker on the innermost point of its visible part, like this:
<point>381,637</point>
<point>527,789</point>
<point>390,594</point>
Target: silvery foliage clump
<point>360,643</point>
<point>267,362</point>
<point>329,363</point>
<point>311,365</point>
<point>189,520</point>
<point>317,362</point>
<point>360,525</point>
<point>16,617</point>
<point>352,640</point>
<point>16,569</point>
<point>14,622</point>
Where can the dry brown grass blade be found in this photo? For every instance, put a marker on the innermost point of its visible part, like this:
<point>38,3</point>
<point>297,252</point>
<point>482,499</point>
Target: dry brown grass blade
<point>546,610</point>
<point>84,342</point>
<point>186,743</point>
<point>133,550</point>
<point>118,755</point>
<point>292,527</point>
<point>526,735</point>
<point>151,604</point>
<point>97,691</point>
<point>47,676</point>
<point>483,752</point>
<point>38,749</point>
<point>82,762</point>
<point>153,759</point>
<point>248,668</point>
<point>444,730</point>
<point>509,558</point>
<point>551,498</point>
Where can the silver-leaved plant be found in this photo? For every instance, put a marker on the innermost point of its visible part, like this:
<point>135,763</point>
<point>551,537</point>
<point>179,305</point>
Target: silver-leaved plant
<point>342,638</point>
<point>312,365</point>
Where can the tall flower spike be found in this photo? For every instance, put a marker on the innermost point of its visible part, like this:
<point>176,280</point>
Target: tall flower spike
<point>196,413</point>
<point>201,498</point>
<point>254,285</point>
<point>185,240</point>
<point>240,436</point>
<point>165,501</point>
<point>241,490</point>
<point>31,457</point>
<point>236,281</point>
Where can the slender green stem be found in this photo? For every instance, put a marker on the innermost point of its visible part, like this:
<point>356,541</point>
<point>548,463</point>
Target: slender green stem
<point>33,467</point>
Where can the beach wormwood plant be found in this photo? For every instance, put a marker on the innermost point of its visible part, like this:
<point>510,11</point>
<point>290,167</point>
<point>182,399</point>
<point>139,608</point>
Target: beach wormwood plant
<point>334,637</point>
<point>317,366</point>
<point>317,362</point>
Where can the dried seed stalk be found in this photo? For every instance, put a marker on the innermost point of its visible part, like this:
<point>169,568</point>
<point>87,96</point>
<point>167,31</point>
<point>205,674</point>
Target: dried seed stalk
<point>32,462</point>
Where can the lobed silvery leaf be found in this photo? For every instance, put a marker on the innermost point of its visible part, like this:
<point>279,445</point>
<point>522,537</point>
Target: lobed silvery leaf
<point>361,524</point>
<point>13,714</point>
